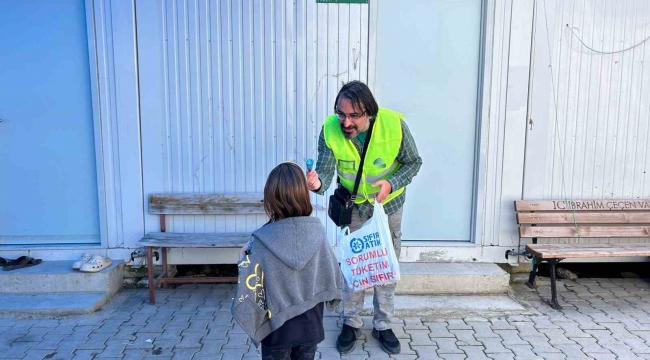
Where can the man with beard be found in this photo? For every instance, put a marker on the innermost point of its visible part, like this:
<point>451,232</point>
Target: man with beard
<point>391,162</point>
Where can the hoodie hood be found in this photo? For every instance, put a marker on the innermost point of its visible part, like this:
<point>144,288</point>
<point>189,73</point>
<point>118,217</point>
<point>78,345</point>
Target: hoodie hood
<point>293,240</point>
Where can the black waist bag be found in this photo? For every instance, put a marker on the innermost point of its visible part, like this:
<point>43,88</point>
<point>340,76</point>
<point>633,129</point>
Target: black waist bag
<point>342,203</point>
<point>340,207</point>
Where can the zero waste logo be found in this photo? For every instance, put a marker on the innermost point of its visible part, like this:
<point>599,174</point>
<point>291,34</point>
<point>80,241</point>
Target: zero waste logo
<point>356,245</point>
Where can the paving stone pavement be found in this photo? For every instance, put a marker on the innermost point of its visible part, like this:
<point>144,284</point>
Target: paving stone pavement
<point>600,319</point>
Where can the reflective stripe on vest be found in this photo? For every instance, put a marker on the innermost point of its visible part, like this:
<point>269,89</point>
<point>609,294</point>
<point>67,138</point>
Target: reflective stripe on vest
<point>381,156</point>
<point>370,179</point>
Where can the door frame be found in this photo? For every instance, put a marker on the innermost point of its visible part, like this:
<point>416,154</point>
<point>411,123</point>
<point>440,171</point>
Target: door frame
<point>97,93</point>
<point>112,50</point>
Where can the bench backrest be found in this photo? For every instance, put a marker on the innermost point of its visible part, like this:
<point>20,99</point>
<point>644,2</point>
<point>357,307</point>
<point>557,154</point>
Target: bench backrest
<point>583,218</point>
<point>206,204</point>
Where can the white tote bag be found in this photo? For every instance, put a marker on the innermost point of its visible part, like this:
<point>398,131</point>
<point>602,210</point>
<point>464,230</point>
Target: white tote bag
<point>367,255</point>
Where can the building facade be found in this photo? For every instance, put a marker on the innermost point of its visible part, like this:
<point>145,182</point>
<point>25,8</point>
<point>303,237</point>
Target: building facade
<point>105,102</point>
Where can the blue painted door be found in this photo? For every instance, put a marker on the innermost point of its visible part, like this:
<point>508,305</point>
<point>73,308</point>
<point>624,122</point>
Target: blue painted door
<point>48,178</point>
<point>429,70</point>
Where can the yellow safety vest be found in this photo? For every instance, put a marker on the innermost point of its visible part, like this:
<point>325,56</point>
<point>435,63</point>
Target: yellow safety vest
<point>381,155</point>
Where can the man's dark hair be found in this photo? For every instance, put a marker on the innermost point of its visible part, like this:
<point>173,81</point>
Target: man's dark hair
<point>360,96</point>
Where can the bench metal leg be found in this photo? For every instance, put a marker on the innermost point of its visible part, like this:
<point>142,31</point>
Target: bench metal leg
<point>164,267</point>
<point>152,296</point>
<point>554,304</point>
<point>533,273</point>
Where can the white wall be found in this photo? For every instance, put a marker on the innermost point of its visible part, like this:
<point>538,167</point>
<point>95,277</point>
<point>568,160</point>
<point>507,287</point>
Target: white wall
<point>218,80</point>
<point>591,111</point>
<point>229,89</point>
<point>507,65</point>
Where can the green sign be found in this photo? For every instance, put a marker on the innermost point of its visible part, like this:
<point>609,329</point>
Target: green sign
<point>342,1</point>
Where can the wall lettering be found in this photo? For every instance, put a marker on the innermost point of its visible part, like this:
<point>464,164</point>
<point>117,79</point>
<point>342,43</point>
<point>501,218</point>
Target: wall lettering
<point>602,205</point>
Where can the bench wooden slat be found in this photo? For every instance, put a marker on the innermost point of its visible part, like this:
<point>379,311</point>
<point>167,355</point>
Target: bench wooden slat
<point>619,217</point>
<point>206,204</point>
<point>561,251</point>
<point>195,240</point>
<point>584,231</point>
<point>583,205</point>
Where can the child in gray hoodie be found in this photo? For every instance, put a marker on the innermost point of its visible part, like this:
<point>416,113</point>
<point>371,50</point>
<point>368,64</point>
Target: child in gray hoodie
<point>287,272</point>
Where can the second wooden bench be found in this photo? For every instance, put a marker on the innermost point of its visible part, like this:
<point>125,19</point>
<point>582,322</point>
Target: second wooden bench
<point>581,219</point>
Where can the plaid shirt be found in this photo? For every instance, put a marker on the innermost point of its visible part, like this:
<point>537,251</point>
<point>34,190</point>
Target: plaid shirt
<point>408,157</point>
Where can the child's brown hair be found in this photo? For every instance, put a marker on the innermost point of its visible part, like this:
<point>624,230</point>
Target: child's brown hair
<point>286,193</point>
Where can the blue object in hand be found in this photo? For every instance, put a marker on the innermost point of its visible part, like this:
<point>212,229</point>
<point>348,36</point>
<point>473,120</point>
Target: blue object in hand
<point>310,164</point>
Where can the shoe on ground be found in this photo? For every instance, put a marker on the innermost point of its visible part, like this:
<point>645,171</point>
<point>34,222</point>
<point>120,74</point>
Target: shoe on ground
<point>4,262</point>
<point>388,340</point>
<point>95,264</point>
<point>21,262</point>
<point>84,259</point>
<point>347,339</point>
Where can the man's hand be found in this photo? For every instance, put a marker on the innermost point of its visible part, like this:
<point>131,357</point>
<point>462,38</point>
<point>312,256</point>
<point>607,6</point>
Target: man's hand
<point>313,181</point>
<point>384,189</point>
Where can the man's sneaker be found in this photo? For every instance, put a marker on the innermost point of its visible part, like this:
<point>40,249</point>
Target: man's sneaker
<point>347,339</point>
<point>388,340</point>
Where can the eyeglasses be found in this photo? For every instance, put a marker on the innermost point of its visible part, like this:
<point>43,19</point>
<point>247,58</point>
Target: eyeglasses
<point>353,117</point>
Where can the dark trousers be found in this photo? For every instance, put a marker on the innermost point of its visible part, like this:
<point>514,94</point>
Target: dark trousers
<point>289,353</point>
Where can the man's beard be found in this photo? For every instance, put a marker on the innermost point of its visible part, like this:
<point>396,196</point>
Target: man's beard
<point>354,127</point>
<point>350,136</point>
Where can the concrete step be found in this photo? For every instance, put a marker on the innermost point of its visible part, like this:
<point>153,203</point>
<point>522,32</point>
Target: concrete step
<point>452,278</point>
<point>52,304</point>
<point>454,305</point>
<point>52,288</point>
<point>58,277</point>
<point>446,306</point>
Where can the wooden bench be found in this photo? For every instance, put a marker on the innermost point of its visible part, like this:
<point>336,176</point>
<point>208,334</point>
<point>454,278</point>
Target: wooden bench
<point>581,219</point>
<point>195,204</point>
